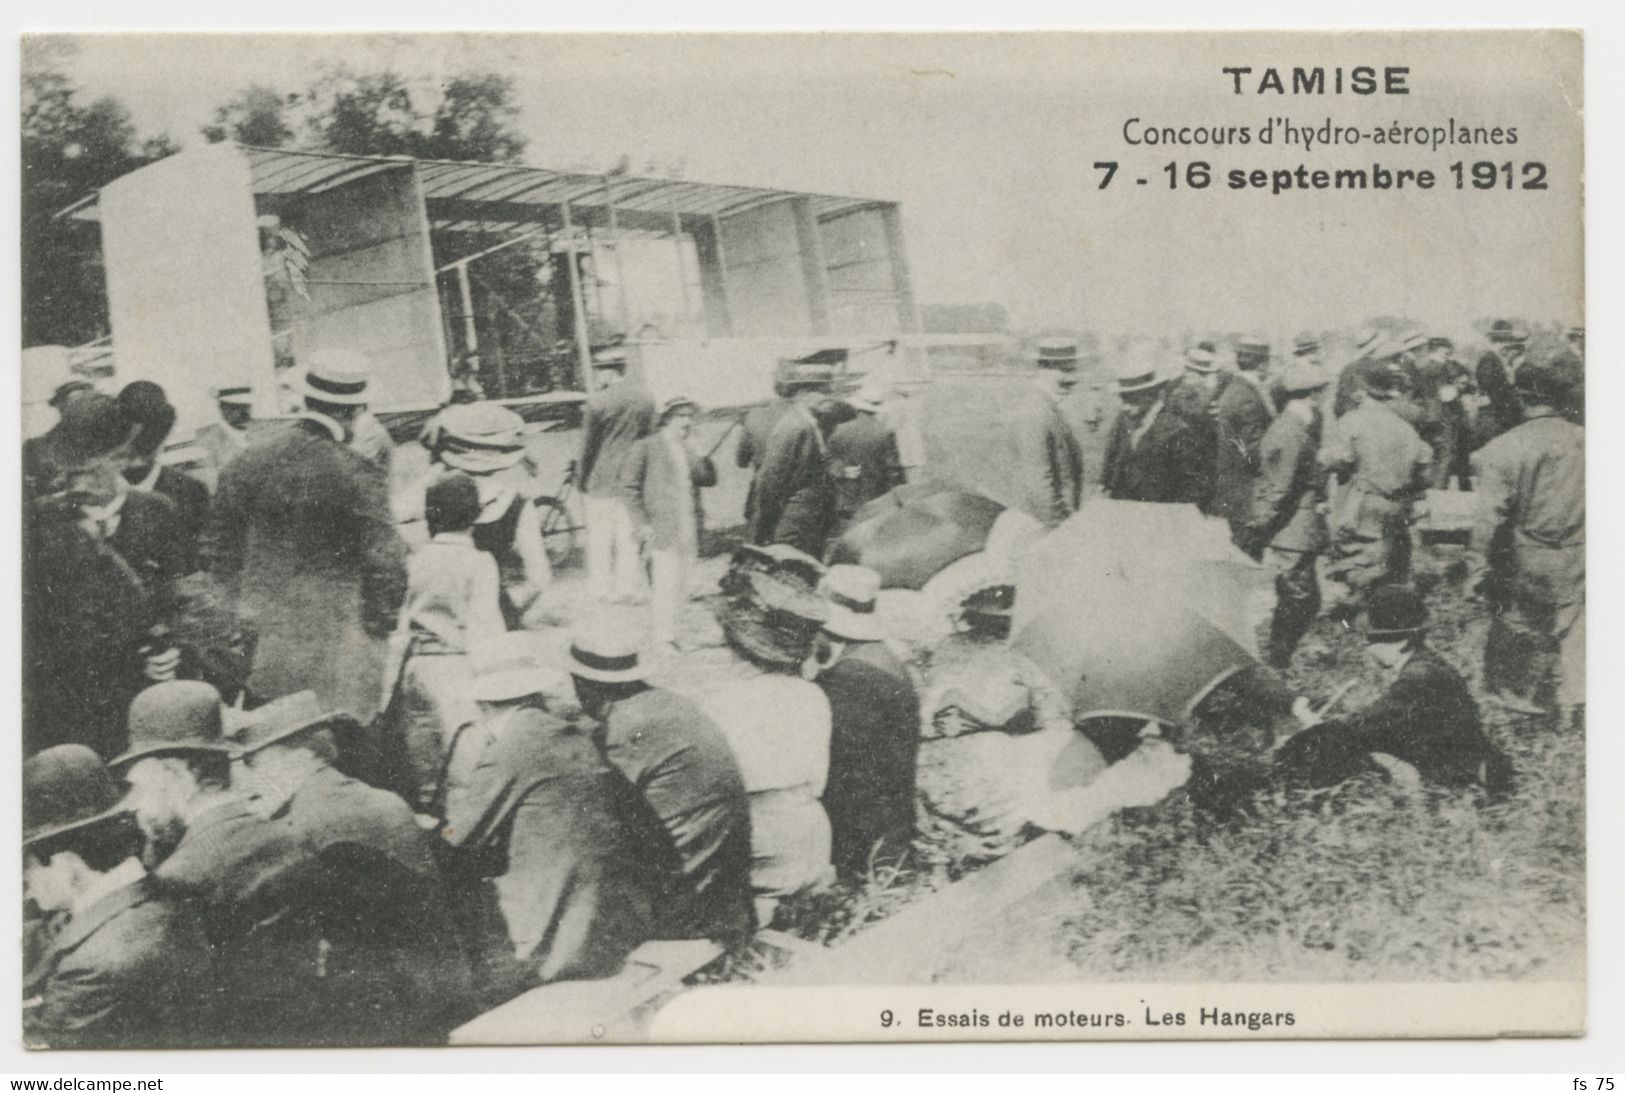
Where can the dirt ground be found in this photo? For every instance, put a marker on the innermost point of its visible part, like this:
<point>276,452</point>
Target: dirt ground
<point>1369,881</point>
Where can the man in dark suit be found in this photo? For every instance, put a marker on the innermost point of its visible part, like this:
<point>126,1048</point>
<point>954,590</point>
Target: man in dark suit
<point>679,762</point>
<point>100,560</point>
<point>1448,383</point>
<point>863,454</point>
<point>660,485</point>
<point>1241,413</point>
<point>236,870</point>
<point>754,429</point>
<point>1495,373</point>
<point>1286,521</point>
<point>618,414</point>
<point>874,728</point>
<point>1153,453</point>
<point>125,968</point>
<point>1426,718</point>
<point>146,406</point>
<point>1048,458</point>
<point>389,969</point>
<point>304,542</point>
<point>795,495</point>
<point>1354,376</point>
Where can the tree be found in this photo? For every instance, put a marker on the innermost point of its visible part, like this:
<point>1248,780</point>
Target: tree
<point>257,116</point>
<point>69,149</point>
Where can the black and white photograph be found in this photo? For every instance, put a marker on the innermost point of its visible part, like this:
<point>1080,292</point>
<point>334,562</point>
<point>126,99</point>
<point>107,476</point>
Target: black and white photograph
<point>545,538</point>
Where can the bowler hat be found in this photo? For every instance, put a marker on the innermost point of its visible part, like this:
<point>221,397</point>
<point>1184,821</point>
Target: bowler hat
<point>147,407</point>
<point>852,592</point>
<point>1056,353</point>
<point>91,427</point>
<point>479,437</point>
<point>1508,332</point>
<point>66,788</point>
<point>606,654</point>
<point>1393,613</point>
<point>180,717</point>
<point>336,376</point>
<point>281,720</point>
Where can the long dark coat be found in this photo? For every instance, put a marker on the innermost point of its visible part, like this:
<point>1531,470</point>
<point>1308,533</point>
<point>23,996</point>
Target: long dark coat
<point>795,495</point>
<point>305,544</point>
<point>1242,416</point>
<point>874,743</point>
<point>616,418</point>
<point>129,971</point>
<point>1169,464</point>
<point>88,610</point>
<point>864,460</point>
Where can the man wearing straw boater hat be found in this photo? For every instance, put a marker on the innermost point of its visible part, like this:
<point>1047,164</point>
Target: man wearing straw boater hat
<point>874,727</point>
<point>619,413</point>
<point>305,546</point>
<point>126,968</point>
<point>680,763</point>
<point>1048,459</point>
<point>1153,453</point>
<point>386,966</point>
<point>660,485</point>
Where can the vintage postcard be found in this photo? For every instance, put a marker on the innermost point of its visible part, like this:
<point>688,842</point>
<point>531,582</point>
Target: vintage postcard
<point>547,538</point>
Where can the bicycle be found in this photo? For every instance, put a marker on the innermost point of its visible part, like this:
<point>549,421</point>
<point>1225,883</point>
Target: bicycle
<point>559,526</point>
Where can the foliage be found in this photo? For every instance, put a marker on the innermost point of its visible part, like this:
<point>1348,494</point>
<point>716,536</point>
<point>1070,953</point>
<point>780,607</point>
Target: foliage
<point>69,148</point>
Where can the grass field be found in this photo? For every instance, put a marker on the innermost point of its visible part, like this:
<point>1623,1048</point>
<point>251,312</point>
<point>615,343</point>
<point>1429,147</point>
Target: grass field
<point>1365,882</point>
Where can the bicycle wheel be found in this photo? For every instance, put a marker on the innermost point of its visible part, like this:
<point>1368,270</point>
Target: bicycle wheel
<point>560,532</point>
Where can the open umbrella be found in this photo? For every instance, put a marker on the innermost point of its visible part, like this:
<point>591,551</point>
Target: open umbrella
<point>1135,610</point>
<point>912,533</point>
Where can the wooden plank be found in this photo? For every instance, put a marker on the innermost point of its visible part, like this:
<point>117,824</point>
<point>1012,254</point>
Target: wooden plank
<point>592,1010</point>
<point>891,950</point>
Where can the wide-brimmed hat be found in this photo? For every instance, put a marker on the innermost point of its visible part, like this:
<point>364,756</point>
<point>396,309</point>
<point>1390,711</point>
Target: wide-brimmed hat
<point>1305,344</point>
<point>1508,332</point>
<point>605,653</point>
<point>1393,613</point>
<point>1201,358</point>
<point>1300,378</point>
<point>180,717</point>
<point>506,667</point>
<point>89,428</point>
<point>336,376</point>
<point>1056,353</point>
<point>773,617</point>
<point>66,788</point>
<point>675,404</point>
<point>1138,374</point>
<point>852,592</point>
<point>479,437</point>
<point>283,719</point>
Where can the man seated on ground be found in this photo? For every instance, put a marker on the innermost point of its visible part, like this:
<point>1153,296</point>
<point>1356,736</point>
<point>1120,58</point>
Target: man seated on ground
<point>547,866</point>
<point>1426,719</point>
<point>235,869</point>
<point>125,968</point>
<point>390,967</point>
<point>875,727</point>
<point>681,766</point>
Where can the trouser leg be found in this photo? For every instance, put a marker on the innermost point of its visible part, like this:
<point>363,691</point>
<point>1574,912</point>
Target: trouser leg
<point>598,512</point>
<point>669,574</point>
<point>1571,658</point>
<point>1297,603</point>
<point>627,556</point>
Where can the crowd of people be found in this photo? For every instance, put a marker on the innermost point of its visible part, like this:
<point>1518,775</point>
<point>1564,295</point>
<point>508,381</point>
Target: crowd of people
<point>290,782</point>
